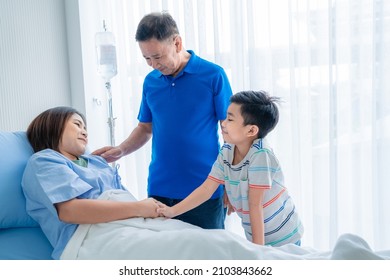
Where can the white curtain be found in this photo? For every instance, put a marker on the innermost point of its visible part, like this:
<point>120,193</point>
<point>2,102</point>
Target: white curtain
<point>327,60</point>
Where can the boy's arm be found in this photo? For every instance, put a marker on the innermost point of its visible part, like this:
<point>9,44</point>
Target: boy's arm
<point>197,197</point>
<point>256,215</point>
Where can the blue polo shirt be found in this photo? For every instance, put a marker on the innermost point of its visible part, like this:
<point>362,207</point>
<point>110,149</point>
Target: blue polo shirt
<point>185,112</point>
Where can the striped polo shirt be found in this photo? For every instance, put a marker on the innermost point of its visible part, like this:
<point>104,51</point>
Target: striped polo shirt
<point>259,169</point>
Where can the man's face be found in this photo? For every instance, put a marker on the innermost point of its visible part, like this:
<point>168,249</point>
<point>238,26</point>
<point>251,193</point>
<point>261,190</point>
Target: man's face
<point>162,55</point>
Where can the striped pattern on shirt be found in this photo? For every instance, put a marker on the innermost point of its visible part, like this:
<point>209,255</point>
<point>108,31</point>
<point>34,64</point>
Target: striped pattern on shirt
<point>260,169</point>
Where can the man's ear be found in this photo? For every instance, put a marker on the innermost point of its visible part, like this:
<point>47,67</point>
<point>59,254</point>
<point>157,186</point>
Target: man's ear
<point>178,43</point>
<point>253,130</point>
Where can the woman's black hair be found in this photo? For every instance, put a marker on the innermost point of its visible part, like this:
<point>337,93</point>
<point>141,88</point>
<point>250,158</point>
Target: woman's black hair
<point>45,131</point>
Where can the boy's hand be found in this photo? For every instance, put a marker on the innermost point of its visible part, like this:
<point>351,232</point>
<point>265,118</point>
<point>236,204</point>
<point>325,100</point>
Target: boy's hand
<point>165,211</point>
<point>227,204</point>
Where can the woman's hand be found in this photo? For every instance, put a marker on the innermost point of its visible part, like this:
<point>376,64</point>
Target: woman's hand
<point>148,208</point>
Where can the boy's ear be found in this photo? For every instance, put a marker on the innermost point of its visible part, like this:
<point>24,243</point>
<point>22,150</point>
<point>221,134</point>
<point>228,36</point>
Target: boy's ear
<point>253,130</point>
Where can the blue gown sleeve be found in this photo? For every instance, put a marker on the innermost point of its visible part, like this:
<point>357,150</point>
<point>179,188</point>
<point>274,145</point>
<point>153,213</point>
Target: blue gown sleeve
<point>51,175</point>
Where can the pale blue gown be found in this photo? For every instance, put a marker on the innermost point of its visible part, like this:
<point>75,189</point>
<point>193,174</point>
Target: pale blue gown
<point>51,178</point>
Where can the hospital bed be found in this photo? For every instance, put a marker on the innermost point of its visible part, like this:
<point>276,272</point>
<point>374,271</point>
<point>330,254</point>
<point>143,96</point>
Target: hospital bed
<point>20,236</point>
<point>22,239</point>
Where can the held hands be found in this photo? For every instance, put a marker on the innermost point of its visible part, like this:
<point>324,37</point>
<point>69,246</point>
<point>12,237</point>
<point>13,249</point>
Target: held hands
<point>152,208</point>
<point>109,153</point>
<point>165,211</point>
<point>148,208</point>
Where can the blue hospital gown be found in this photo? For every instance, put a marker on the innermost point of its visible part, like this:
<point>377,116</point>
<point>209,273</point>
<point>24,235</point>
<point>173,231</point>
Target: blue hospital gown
<point>51,178</point>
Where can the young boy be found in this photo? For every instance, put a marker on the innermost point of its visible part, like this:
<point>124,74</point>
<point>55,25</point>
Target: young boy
<point>251,173</point>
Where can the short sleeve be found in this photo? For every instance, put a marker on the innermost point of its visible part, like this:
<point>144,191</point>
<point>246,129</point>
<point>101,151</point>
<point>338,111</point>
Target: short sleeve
<point>262,169</point>
<point>145,114</point>
<point>217,170</point>
<point>52,176</point>
<point>222,94</point>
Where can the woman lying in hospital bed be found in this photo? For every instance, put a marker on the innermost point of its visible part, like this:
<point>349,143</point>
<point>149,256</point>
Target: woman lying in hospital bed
<point>86,213</point>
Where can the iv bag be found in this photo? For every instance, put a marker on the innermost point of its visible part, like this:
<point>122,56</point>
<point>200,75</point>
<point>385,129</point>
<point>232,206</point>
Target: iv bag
<point>106,55</point>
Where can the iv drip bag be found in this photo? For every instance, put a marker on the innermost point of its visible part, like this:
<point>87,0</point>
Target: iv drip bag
<point>106,55</point>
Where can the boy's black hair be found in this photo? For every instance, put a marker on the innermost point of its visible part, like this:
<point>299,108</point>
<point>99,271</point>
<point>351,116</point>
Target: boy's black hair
<point>258,108</point>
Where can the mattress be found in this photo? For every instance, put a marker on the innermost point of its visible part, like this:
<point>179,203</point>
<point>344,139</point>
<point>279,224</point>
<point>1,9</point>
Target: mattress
<point>27,243</point>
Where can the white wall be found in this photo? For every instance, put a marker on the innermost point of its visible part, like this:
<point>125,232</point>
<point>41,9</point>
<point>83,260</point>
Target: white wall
<point>34,68</point>
<point>47,60</point>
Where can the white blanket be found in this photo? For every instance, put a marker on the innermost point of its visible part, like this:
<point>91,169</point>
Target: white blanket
<point>169,239</point>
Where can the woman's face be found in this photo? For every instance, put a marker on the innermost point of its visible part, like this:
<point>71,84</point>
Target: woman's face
<point>74,138</point>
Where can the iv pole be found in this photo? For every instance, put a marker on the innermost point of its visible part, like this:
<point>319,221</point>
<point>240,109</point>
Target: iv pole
<point>111,119</point>
<point>110,57</point>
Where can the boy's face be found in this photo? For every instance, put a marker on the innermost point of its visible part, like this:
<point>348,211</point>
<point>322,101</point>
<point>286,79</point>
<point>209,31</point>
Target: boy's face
<point>233,129</point>
<point>74,138</point>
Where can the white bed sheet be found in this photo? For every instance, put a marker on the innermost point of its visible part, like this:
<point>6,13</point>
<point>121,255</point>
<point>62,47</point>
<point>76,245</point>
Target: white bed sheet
<point>169,239</point>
